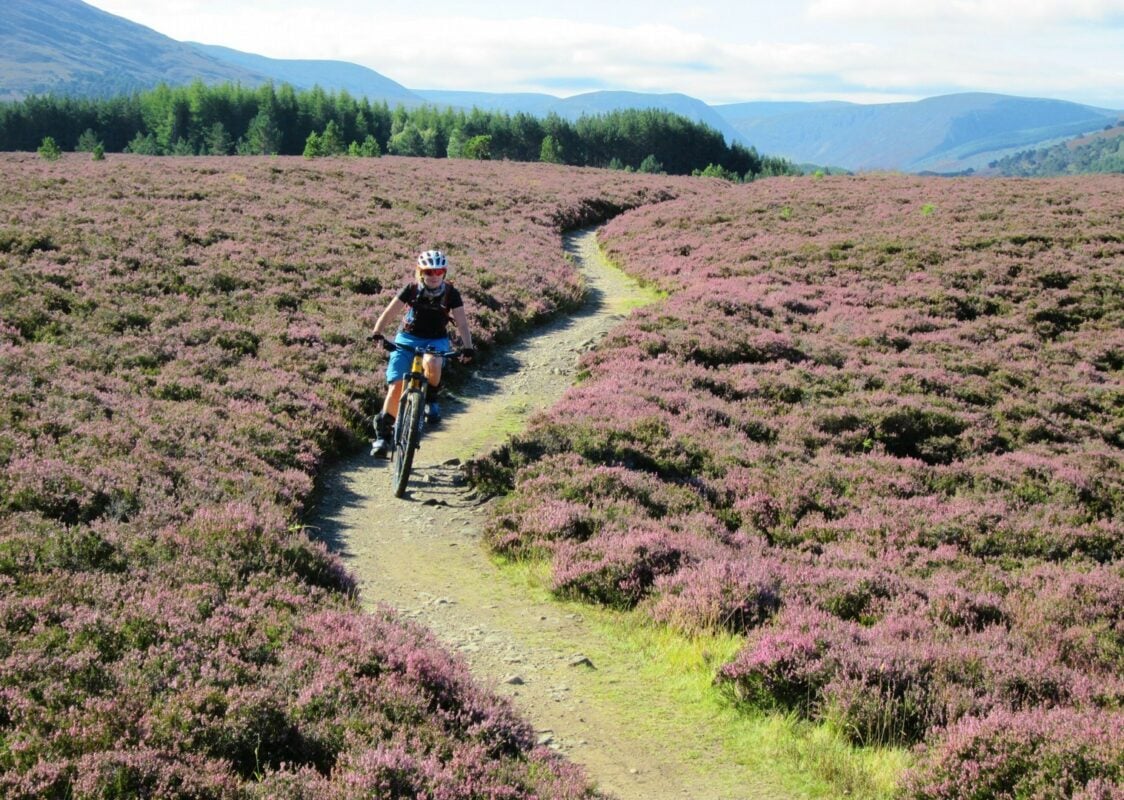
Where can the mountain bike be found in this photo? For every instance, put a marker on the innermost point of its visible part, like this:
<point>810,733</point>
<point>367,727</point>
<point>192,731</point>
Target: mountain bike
<point>410,422</point>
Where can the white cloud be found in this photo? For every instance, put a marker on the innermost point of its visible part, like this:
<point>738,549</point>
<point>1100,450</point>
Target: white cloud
<point>470,53</point>
<point>1006,12</point>
<point>718,51</point>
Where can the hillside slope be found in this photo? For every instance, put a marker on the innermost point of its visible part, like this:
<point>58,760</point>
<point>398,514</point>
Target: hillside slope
<point>330,75</point>
<point>69,47</point>
<point>941,134</point>
<point>1102,151</point>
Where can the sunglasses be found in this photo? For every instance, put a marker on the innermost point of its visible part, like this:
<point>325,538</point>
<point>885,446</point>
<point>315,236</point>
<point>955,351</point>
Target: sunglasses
<point>439,272</point>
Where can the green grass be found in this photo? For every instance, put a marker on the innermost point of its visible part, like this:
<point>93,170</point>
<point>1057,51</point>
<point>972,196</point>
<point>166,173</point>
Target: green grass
<point>645,296</point>
<point>504,415</point>
<point>662,683</point>
<point>634,290</point>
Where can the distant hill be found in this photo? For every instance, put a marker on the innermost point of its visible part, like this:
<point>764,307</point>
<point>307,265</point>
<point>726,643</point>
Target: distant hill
<point>940,134</point>
<point>591,103</point>
<point>332,75</point>
<point>689,107</point>
<point>743,113</point>
<point>1099,152</point>
<point>71,48</point>
<point>538,105</point>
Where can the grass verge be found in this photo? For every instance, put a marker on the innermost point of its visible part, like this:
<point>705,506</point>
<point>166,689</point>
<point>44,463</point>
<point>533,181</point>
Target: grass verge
<point>662,683</point>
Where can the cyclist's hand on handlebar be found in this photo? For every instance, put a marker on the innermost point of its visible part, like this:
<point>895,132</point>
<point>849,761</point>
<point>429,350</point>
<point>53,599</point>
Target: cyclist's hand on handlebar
<point>467,354</point>
<point>387,344</point>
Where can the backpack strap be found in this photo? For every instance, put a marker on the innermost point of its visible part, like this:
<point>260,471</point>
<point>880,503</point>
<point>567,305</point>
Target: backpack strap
<point>415,295</point>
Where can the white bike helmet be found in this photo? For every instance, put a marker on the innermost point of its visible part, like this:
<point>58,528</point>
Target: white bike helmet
<point>432,259</point>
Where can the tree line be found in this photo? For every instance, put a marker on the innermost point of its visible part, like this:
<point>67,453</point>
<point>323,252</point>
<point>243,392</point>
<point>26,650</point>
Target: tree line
<point>231,119</point>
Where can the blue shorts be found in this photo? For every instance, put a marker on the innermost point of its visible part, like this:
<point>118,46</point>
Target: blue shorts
<point>400,361</point>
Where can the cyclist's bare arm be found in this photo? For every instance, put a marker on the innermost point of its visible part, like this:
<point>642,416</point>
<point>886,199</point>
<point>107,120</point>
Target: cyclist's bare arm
<point>392,310</point>
<point>461,320</point>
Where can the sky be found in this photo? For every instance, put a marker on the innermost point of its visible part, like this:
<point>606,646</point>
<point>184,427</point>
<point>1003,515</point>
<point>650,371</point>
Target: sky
<point>864,51</point>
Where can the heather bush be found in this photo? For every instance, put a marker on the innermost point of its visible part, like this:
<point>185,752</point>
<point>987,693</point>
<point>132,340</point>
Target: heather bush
<point>960,607</point>
<point>788,665</point>
<point>733,594</point>
<point>893,682</point>
<point>1040,753</point>
<point>1076,611</point>
<point>124,774</point>
<point>620,568</point>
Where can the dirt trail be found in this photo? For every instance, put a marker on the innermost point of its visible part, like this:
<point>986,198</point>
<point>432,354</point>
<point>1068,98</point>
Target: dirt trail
<point>429,564</point>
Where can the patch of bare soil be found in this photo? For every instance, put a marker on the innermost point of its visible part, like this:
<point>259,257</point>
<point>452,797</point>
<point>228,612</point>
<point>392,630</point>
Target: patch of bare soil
<point>422,555</point>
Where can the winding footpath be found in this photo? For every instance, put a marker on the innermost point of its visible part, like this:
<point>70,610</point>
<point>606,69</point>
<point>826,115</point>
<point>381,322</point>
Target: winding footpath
<point>583,692</point>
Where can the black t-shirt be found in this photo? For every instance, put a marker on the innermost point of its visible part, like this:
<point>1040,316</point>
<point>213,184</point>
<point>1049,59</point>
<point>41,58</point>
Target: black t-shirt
<point>428,317</point>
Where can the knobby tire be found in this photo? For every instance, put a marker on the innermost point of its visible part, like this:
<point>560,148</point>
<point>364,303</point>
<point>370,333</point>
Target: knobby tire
<point>406,442</point>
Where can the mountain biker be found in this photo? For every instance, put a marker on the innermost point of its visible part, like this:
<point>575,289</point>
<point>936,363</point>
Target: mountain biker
<point>431,302</point>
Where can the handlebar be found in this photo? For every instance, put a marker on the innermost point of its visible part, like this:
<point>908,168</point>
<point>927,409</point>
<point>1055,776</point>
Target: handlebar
<point>390,344</point>
<point>425,351</point>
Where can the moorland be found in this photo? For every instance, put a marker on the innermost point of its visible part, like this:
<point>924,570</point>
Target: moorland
<point>873,429</point>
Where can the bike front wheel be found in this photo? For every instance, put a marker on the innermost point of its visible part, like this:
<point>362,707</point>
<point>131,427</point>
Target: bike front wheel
<point>406,442</point>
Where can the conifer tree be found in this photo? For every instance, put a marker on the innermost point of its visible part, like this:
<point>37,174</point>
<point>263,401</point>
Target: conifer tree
<point>551,150</point>
<point>217,141</point>
<point>263,137</point>
<point>650,165</point>
<point>313,146</point>
<point>265,120</point>
<point>87,141</point>
<point>370,147</point>
<point>49,149</point>
<point>331,142</point>
<point>455,148</point>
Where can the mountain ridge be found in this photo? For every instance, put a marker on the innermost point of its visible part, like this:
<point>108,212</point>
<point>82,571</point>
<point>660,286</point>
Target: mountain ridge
<point>306,73</point>
<point>71,48</point>
<point>943,133</point>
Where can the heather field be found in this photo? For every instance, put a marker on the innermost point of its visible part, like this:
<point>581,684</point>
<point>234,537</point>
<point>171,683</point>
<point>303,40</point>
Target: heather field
<point>181,350</point>
<point>875,429</point>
